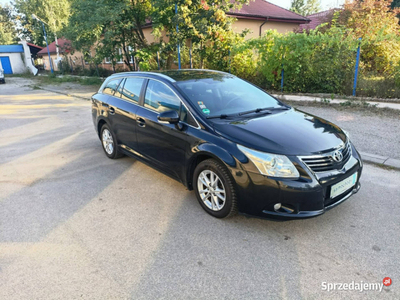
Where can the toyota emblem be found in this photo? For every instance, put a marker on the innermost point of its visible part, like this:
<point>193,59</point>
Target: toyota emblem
<point>337,156</point>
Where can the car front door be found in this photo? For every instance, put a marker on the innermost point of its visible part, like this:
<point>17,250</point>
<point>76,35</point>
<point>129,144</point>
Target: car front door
<point>162,144</point>
<point>122,108</point>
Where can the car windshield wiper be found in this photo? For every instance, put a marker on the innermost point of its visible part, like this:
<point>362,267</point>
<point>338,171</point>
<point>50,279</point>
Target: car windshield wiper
<point>223,116</point>
<point>267,109</point>
<point>257,110</point>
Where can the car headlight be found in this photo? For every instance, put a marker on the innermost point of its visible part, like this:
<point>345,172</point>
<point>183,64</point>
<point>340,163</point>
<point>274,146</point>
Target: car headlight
<point>273,165</point>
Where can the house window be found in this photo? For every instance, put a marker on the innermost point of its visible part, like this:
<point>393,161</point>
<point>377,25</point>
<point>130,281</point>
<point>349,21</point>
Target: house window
<point>120,61</point>
<point>107,60</point>
<point>130,55</point>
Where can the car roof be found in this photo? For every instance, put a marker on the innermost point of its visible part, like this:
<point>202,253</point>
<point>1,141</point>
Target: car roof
<point>181,75</point>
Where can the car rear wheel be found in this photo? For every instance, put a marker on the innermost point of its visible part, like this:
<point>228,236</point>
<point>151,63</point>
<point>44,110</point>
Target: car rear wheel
<point>109,143</point>
<point>215,189</point>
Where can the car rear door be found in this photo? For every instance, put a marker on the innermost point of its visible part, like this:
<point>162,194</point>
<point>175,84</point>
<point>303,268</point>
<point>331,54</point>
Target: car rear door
<point>162,144</point>
<point>100,100</point>
<point>122,108</point>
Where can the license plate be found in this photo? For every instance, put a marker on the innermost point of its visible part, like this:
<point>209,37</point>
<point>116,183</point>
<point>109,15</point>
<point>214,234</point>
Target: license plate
<point>343,186</point>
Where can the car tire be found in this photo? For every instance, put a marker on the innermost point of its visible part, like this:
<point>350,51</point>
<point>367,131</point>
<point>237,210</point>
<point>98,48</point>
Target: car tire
<point>215,202</point>
<point>109,142</point>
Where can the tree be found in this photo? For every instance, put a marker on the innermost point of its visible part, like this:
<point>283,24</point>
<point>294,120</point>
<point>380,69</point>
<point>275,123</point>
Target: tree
<point>396,4</point>
<point>8,34</point>
<point>297,6</point>
<point>202,22</point>
<point>305,8</point>
<point>111,25</point>
<point>376,23</point>
<point>54,12</point>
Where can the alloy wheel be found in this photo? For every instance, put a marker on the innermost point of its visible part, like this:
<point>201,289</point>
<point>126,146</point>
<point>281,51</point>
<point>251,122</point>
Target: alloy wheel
<point>108,142</point>
<point>211,190</point>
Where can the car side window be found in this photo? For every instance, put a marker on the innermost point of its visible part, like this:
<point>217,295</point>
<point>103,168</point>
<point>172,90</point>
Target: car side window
<point>131,90</point>
<point>160,98</point>
<point>118,92</point>
<point>111,87</point>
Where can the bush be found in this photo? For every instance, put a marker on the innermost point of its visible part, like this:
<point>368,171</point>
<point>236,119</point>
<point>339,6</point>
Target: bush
<point>314,62</point>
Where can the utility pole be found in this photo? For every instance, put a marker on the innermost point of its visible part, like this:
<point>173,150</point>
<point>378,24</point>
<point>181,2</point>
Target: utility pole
<point>45,37</point>
<point>177,31</point>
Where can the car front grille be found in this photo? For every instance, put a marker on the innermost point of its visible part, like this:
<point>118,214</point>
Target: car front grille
<point>323,163</point>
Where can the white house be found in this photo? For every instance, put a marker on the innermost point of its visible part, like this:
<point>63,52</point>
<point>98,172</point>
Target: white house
<point>17,59</point>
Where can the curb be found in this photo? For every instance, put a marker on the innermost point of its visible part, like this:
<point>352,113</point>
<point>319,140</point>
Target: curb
<point>63,93</point>
<point>309,99</point>
<point>381,160</point>
<point>328,97</point>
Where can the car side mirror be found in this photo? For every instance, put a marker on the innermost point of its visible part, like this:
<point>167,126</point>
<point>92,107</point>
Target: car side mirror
<point>170,116</point>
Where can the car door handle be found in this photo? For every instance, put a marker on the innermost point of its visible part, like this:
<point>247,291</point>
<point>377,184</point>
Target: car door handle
<point>141,122</point>
<point>111,110</point>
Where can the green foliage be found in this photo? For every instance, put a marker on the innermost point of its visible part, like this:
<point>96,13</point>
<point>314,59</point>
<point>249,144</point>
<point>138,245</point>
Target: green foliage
<point>8,34</point>
<point>313,62</point>
<point>377,25</point>
<point>53,12</point>
<point>111,25</point>
<point>202,22</point>
<point>305,8</point>
<point>370,85</point>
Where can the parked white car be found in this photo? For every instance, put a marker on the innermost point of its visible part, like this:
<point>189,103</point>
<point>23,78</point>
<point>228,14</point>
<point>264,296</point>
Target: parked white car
<point>2,80</point>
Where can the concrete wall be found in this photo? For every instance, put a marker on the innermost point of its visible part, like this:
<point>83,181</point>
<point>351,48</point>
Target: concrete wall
<point>254,26</point>
<point>17,62</point>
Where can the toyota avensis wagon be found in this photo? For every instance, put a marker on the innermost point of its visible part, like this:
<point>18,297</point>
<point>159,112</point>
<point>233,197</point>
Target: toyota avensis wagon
<point>239,148</point>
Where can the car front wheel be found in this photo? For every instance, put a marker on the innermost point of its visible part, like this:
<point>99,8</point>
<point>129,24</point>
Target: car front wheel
<point>215,189</point>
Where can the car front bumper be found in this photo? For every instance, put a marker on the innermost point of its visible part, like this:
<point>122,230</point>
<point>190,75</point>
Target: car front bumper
<point>307,197</point>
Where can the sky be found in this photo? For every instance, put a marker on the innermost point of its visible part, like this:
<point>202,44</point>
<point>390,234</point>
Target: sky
<point>326,4</point>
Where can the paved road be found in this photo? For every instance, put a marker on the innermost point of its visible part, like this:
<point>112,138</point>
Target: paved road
<point>74,224</point>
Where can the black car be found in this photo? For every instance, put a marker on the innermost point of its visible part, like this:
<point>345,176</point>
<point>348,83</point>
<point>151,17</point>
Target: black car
<point>239,148</point>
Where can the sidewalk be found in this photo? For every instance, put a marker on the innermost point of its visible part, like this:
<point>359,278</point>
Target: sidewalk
<point>379,104</point>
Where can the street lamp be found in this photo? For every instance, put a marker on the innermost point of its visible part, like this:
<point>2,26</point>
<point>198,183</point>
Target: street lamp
<point>45,37</point>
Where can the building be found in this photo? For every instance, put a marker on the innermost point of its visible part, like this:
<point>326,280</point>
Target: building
<point>317,19</point>
<point>260,15</point>
<point>64,50</point>
<point>17,59</point>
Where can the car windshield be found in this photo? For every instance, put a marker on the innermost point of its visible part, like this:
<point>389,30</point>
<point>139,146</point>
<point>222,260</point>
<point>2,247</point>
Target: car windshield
<point>225,95</point>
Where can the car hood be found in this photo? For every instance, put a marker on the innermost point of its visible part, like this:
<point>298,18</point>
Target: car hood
<point>291,132</point>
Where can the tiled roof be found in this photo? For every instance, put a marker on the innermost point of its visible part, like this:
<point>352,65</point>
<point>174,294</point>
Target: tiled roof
<point>33,45</point>
<point>63,46</point>
<point>317,19</point>
<point>11,49</point>
<point>263,10</point>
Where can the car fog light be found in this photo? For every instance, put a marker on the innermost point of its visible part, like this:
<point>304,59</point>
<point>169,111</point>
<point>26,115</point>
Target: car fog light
<point>277,206</point>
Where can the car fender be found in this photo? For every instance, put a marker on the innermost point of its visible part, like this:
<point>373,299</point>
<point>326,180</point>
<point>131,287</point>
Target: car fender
<point>211,150</point>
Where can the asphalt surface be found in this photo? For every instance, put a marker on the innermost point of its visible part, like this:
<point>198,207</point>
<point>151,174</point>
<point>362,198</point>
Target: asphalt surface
<point>75,224</point>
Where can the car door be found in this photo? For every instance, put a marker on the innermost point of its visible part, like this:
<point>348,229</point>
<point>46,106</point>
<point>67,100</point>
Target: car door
<point>162,144</point>
<point>122,112</point>
<point>100,100</point>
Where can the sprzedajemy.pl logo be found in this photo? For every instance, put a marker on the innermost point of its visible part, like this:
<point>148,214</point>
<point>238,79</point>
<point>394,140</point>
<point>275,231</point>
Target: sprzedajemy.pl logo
<point>355,286</point>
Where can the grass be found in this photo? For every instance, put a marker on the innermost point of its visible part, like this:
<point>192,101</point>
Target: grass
<point>377,86</point>
<point>52,79</point>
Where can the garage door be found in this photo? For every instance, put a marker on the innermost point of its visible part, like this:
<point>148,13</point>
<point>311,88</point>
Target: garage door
<point>5,62</point>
